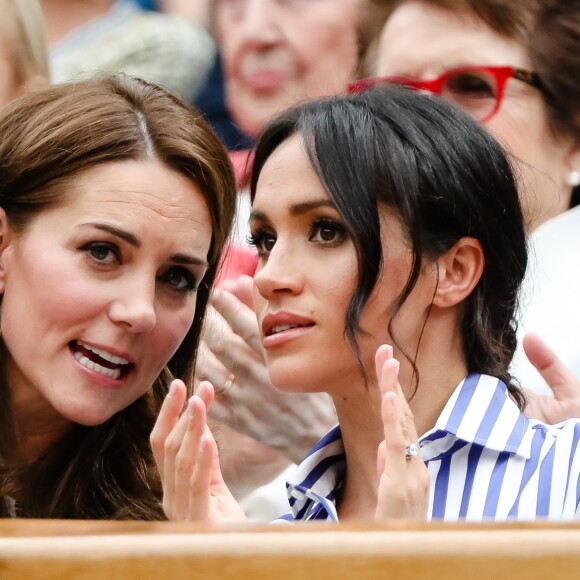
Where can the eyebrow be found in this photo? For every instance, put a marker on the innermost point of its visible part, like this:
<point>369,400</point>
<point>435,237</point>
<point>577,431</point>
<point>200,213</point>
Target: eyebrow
<point>134,241</point>
<point>297,209</point>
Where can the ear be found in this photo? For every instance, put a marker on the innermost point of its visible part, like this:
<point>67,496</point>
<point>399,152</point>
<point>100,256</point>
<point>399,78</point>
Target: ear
<point>460,269</point>
<point>5,239</point>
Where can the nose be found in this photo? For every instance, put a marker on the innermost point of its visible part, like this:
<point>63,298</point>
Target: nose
<point>134,305</point>
<point>280,274</point>
<point>259,24</point>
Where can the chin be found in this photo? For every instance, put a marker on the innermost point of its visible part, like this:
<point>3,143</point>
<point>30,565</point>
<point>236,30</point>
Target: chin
<point>87,417</point>
<point>293,379</point>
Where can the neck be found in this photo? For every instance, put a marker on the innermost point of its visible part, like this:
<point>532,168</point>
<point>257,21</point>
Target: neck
<point>441,365</point>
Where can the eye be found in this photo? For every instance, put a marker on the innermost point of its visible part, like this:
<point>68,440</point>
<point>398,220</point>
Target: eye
<point>180,280</point>
<point>328,231</point>
<point>102,252</point>
<point>263,241</point>
<point>471,85</point>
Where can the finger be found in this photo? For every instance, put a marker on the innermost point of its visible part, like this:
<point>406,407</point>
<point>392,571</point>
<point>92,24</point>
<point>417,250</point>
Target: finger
<point>384,353</point>
<point>210,368</point>
<point>395,441</point>
<point>240,318</point>
<point>172,446</point>
<point>206,393</point>
<point>561,380</point>
<point>200,483</point>
<point>188,455</point>
<point>389,378</point>
<point>166,421</point>
<point>243,288</point>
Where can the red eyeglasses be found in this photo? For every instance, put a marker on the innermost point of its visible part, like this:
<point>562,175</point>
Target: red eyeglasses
<point>477,90</point>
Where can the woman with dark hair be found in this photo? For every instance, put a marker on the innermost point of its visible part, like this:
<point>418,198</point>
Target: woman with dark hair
<point>389,217</point>
<point>115,202</point>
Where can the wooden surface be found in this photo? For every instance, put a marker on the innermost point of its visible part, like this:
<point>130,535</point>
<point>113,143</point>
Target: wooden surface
<point>31,549</point>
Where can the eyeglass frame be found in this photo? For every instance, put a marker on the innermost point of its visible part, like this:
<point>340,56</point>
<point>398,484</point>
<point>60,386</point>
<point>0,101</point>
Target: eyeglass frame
<point>501,74</point>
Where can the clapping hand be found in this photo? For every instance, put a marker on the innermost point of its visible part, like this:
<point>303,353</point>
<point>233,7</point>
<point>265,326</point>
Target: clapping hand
<point>187,458</point>
<point>403,477</point>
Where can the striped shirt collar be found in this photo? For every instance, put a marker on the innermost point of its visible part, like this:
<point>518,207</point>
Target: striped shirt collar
<point>480,411</point>
<point>485,416</point>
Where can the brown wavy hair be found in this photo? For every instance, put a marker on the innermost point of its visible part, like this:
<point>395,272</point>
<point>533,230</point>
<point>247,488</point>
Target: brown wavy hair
<point>48,138</point>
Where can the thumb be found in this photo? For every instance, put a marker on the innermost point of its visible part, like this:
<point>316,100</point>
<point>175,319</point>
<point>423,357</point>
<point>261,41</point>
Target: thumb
<point>559,378</point>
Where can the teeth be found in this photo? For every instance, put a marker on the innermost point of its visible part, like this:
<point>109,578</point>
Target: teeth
<point>283,327</point>
<point>113,373</point>
<point>104,354</point>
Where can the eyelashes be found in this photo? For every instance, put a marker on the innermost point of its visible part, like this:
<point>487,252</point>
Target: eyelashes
<point>106,257</point>
<point>324,232</point>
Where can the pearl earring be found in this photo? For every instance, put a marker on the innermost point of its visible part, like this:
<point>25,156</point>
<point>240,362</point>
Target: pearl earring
<point>574,178</point>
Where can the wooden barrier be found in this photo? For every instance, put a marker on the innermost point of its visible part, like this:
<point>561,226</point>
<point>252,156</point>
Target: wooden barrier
<point>54,549</point>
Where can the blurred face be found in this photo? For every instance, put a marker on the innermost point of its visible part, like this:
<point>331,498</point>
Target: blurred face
<point>9,85</point>
<point>99,291</point>
<point>278,52</point>
<point>307,273</point>
<point>422,42</point>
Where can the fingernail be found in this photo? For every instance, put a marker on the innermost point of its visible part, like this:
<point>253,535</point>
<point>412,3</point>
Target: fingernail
<point>172,389</point>
<point>191,408</point>
<point>203,443</point>
<point>397,368</point>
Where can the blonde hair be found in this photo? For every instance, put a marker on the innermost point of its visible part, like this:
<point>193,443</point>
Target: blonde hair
<point>22,27</point>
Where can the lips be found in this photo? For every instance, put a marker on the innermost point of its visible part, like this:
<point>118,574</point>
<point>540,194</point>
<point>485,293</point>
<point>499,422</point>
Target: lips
<point>100,360</point>
<point>266,80</point>
<point>280,322</point>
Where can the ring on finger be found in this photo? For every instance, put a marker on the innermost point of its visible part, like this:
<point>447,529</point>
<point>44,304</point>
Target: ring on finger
<point>412,450</point>
<point>227,385</point>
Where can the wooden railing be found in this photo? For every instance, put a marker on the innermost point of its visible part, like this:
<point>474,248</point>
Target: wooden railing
<point>87,550</point>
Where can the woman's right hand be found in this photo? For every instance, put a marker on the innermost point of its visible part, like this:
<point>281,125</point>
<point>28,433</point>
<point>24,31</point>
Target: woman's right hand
<point>187,458</point>
<point>403,481</point>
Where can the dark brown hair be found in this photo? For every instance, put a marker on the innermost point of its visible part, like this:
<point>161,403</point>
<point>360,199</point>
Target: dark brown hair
<point>48,138</point>
<point>445,177</point>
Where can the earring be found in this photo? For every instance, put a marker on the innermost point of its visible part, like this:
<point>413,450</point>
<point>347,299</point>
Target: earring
<point>574,178</point>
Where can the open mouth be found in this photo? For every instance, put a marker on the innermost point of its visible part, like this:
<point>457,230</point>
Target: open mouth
<point>100,361</point>
<point>283,327</point>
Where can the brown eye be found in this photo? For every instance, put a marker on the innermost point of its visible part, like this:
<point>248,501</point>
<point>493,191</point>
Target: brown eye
<point>263,241</point>
<point>327,231</point>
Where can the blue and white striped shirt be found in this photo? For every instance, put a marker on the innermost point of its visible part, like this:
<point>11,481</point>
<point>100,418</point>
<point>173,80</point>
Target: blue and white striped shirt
<point>485,461</point>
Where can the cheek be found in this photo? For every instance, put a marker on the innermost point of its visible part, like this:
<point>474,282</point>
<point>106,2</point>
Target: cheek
<point>170,332</point>
<point>521,127</point>
<point>330,64</point>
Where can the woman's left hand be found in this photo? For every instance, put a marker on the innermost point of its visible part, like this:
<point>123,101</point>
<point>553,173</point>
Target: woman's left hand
<point>403,480</point>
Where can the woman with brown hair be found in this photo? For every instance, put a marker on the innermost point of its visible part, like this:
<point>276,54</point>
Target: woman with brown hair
<point>115,202</point>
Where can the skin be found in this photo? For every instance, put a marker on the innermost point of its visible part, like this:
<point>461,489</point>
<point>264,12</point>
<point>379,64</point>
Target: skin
<point>277,52</point>
<point>10,87</point>
<point>423,41</point>
<point>128,291</point>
